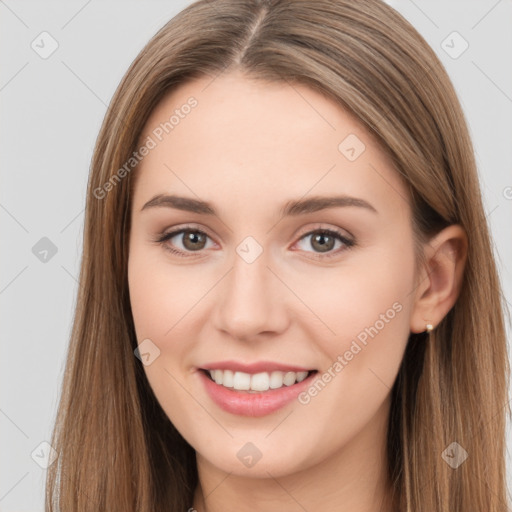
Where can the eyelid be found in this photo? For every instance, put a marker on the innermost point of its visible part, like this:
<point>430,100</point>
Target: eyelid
<point>185,227</point>
<point>322,226</point>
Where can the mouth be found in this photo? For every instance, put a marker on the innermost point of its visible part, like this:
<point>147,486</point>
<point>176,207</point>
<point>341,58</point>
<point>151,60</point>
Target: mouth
<point>256,382</point>
<point>254,394</point>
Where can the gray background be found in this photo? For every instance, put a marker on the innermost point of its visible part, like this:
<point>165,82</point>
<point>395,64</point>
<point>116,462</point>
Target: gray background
<point>52,109</point>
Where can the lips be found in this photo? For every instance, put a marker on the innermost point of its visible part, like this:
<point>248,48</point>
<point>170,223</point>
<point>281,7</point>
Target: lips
<point>261,366</point>
<point>254,389</point>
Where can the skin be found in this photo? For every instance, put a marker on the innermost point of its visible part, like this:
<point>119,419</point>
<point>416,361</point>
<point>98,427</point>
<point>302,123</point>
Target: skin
<point>248,147</point>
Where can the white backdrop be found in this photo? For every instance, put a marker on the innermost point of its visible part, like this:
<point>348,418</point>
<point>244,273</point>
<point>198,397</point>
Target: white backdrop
<point>61,62</point>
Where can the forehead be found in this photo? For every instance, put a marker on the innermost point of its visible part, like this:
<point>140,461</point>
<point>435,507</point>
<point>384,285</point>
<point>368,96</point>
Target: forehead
<point>245,139</point>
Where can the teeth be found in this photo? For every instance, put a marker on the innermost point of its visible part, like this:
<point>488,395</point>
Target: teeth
<point>260,381</point>
<point>241,381</point>
<point>301,376</point>
<point>263,381</point>
<point>276,380</point>
<point>227,379</point>
<point>218,377</point>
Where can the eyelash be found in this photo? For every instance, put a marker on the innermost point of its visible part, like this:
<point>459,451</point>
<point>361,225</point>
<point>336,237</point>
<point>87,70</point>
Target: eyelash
<point>164,237</point>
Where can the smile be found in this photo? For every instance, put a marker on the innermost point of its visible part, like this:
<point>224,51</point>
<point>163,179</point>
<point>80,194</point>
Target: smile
<point>263,381</point>
<point>254,394</point>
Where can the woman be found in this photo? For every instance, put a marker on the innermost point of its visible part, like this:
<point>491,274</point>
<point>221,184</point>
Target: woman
<point>337,341</point>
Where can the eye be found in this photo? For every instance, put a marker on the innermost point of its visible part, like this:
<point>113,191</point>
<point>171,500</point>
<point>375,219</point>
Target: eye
<point>190,238</point>
<point>324,240</point>
<point>193,240</point>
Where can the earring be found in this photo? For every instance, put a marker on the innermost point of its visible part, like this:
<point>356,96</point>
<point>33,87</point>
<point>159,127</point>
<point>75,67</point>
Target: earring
<point>429,327</point>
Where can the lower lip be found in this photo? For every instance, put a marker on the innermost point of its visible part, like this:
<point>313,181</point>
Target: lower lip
<point>253,404</point>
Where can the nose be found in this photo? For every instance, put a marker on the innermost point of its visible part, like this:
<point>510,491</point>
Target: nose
<point>251,301</point>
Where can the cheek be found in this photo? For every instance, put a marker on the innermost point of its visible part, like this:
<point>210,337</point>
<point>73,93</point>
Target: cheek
<point>160,298</point>
<point>167,308</point>
<point>161,294</point>
<point>366,307</point>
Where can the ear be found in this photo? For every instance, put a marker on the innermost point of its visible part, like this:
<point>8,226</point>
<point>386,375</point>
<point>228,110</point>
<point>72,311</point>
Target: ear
<point>440,280</point>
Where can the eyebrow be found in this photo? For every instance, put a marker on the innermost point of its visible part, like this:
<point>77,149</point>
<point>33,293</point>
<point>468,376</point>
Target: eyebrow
<point>290,208</point>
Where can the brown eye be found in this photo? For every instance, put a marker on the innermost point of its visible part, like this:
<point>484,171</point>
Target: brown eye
<point>184,241</point>
<point>323,241</point>
<point>194,240</point>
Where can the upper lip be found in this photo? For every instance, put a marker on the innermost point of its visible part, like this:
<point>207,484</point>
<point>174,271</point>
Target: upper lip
<point>257,367</point>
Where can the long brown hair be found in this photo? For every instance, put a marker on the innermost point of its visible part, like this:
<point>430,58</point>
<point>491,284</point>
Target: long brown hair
<point>117,448</point>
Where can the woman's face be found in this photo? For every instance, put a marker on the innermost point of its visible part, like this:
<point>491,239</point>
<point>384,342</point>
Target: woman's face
<point>314,323</point>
